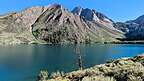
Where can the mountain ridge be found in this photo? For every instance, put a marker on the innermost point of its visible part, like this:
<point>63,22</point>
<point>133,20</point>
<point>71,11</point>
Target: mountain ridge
<point>133,29</point>
<point>77,28</point>
<point>56,24</point>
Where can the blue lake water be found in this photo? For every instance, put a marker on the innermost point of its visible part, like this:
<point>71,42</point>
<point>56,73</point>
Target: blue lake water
<point>23,62</point>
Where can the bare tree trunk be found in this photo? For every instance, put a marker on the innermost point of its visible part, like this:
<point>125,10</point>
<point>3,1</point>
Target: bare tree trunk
<point>79,57</point>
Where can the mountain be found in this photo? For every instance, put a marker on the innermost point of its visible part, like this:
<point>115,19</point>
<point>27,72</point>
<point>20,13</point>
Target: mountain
<point>139,20</point>
<point>92,15</point>
<point>15,28</point>
<point>133,29</point>
<point>58,25</point>
<point>55,24</point>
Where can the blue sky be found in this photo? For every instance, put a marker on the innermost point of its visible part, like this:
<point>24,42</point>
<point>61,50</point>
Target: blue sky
<point>118,10</point>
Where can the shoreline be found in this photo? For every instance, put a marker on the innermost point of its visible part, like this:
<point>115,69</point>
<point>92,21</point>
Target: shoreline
<point>124,69</point>
<point>120,42</point>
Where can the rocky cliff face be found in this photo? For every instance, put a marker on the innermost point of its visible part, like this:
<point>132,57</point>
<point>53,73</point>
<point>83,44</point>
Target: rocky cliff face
<point>55,24</point>
<point>93,16</point>
<point>16,27</point>
<point>58,25</point>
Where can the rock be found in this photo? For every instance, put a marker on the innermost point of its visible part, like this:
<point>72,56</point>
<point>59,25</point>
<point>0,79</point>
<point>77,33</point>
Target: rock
<point>133,29</point>
<point>57,25</point>
<point>15,28</point>
<point>141,56</point>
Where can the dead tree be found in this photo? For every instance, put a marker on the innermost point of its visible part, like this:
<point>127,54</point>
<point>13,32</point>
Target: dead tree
<point>79,57</point>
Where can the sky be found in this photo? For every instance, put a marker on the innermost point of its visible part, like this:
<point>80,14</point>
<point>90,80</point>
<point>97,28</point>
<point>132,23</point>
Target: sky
<point>117,10</point>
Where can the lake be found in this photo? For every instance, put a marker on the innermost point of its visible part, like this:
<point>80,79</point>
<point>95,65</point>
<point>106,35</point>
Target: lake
<point>23,62</point>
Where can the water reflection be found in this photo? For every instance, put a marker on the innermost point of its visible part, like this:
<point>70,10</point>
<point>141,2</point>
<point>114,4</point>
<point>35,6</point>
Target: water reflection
<point>23,62</point>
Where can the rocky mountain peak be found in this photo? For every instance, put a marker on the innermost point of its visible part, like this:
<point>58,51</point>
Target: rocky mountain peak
<point>91,15</point>
<point>88,14</point>
<point>55,24</point>
<point>55,5</point>
<point>77,10</point>
<point>102,17</point>
<point>133,28</point>
<point>139,20</point>
<point>58,25</point>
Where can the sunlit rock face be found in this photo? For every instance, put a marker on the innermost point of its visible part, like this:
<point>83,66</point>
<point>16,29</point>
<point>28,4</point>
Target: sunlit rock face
<point>77,10</point>
<point>94,16</point>
<point>16,27</point>
<point>90,14</point>
<point>57,25</point>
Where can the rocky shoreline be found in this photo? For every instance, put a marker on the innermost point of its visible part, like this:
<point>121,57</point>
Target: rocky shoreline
<point>125,69</point>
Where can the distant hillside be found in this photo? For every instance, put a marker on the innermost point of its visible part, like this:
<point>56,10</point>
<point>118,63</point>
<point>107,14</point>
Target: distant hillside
<point>133,29</point>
